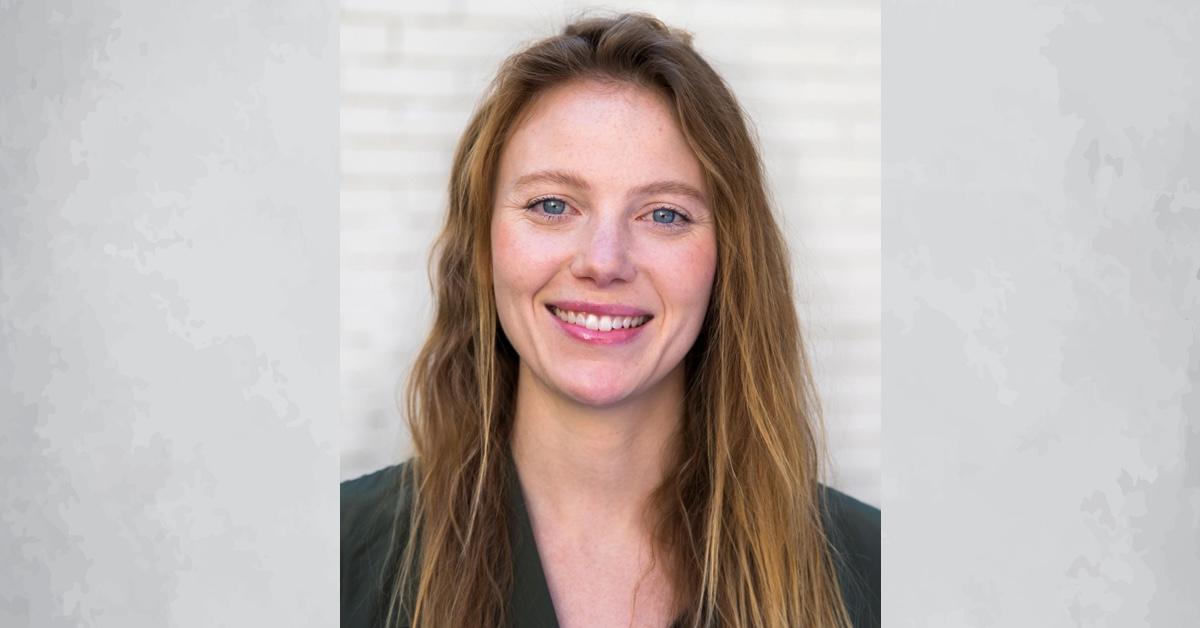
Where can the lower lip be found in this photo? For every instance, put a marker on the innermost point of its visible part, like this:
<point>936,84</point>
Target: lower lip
<point>597,337</point>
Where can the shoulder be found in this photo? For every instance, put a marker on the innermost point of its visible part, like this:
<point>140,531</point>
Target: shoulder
<point>853,529</point>
<point>375,514</point>
<point>370,499</point>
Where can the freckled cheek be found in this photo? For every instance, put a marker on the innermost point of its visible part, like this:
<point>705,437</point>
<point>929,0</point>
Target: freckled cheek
<point>687,272</point>
<point>522,262</point>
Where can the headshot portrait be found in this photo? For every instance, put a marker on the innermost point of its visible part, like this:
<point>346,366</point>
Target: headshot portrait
<point>595,395</point>
<point>582,310</point>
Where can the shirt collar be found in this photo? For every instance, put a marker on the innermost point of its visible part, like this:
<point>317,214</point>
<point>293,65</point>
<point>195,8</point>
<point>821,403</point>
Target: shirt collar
<point>530,605</point>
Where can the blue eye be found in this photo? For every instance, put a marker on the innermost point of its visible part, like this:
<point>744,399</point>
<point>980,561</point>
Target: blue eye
<point>665,216</point>
<point>553,206</point>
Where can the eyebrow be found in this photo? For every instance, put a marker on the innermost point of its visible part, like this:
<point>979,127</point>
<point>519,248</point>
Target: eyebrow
<point>564,177</point>
<point>561,177</point>
<point>672,187</point>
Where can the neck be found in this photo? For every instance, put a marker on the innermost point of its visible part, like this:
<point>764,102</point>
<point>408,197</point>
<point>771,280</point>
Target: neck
<point>594,469</point>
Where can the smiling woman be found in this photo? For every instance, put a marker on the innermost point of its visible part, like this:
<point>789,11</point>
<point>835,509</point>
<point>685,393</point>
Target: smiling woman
<point>593,228</point>
<point>614,418</point>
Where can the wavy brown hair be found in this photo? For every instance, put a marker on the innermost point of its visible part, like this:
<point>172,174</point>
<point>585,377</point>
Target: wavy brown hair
<point>737,515</point>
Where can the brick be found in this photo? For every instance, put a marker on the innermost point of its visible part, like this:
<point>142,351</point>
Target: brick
<point>832,168</point>
<point>394,161</point>
<point>513,8</point>
<point>457,42</point>
<point>786,54</point>
<point>866,132</point>
<point>843,18</point>
<point>861,355</point>
<point>368,200</point>
<point>803,93</point>
<point>797,129</point>
<point>866,54</point>
<point>364,120</point>
<point>362,39</point>
<point>399,80</point>
<point>362,9</point>
<point>796,18</point>
<point>416,120</point>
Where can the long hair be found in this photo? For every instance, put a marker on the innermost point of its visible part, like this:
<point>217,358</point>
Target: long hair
<point>737,514</point>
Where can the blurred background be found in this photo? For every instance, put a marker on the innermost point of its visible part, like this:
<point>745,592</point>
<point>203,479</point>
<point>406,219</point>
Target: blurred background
<point>808,74</point>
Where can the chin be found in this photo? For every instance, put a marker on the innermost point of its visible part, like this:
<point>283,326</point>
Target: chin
<point>596,396</point>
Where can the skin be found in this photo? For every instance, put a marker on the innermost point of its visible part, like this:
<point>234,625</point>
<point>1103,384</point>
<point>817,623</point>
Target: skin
<point>595,424</point>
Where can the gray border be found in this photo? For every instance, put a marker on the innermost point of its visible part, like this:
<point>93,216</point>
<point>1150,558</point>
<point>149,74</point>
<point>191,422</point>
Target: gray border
<point>1041,307</point>
<point>168,292</point>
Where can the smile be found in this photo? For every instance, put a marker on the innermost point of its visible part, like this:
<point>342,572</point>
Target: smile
<point>596,322</point>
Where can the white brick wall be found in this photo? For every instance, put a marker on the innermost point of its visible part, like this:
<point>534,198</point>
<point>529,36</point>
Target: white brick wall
<point>808,74</point>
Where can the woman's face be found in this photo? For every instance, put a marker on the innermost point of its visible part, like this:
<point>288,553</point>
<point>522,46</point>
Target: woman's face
<point>603,245</point>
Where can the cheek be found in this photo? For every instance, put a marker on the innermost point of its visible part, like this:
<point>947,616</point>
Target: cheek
<point>503,250</point>
<point>692,282</point>
<point>521,262</point>
<point>506,276</point>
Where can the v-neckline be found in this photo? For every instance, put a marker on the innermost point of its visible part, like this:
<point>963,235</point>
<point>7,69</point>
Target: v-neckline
<point>530,605</point>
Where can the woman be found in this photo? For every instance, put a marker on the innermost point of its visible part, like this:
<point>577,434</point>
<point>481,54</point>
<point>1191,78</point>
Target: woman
<point>613,417</point>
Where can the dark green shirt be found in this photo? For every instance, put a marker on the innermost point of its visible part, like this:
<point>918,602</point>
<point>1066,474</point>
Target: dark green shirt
<point>371,503</point>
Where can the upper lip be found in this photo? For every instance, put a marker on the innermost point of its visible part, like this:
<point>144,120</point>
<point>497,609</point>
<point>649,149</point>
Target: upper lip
<point>600,309</point>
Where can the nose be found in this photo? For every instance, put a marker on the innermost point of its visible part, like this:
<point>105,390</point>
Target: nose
<point>604,255</point>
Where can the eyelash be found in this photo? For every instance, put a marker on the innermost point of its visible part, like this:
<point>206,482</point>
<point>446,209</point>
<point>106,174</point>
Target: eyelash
<point>683,221</point>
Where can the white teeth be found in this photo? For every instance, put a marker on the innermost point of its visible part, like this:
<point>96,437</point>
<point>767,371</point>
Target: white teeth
<point>600,323</point>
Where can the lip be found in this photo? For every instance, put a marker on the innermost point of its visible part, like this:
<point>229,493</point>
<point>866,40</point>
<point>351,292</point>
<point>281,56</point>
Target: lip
<point>583,334</point>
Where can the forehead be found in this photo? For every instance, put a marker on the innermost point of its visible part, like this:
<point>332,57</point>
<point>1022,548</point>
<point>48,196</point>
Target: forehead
<point>611,133</point>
